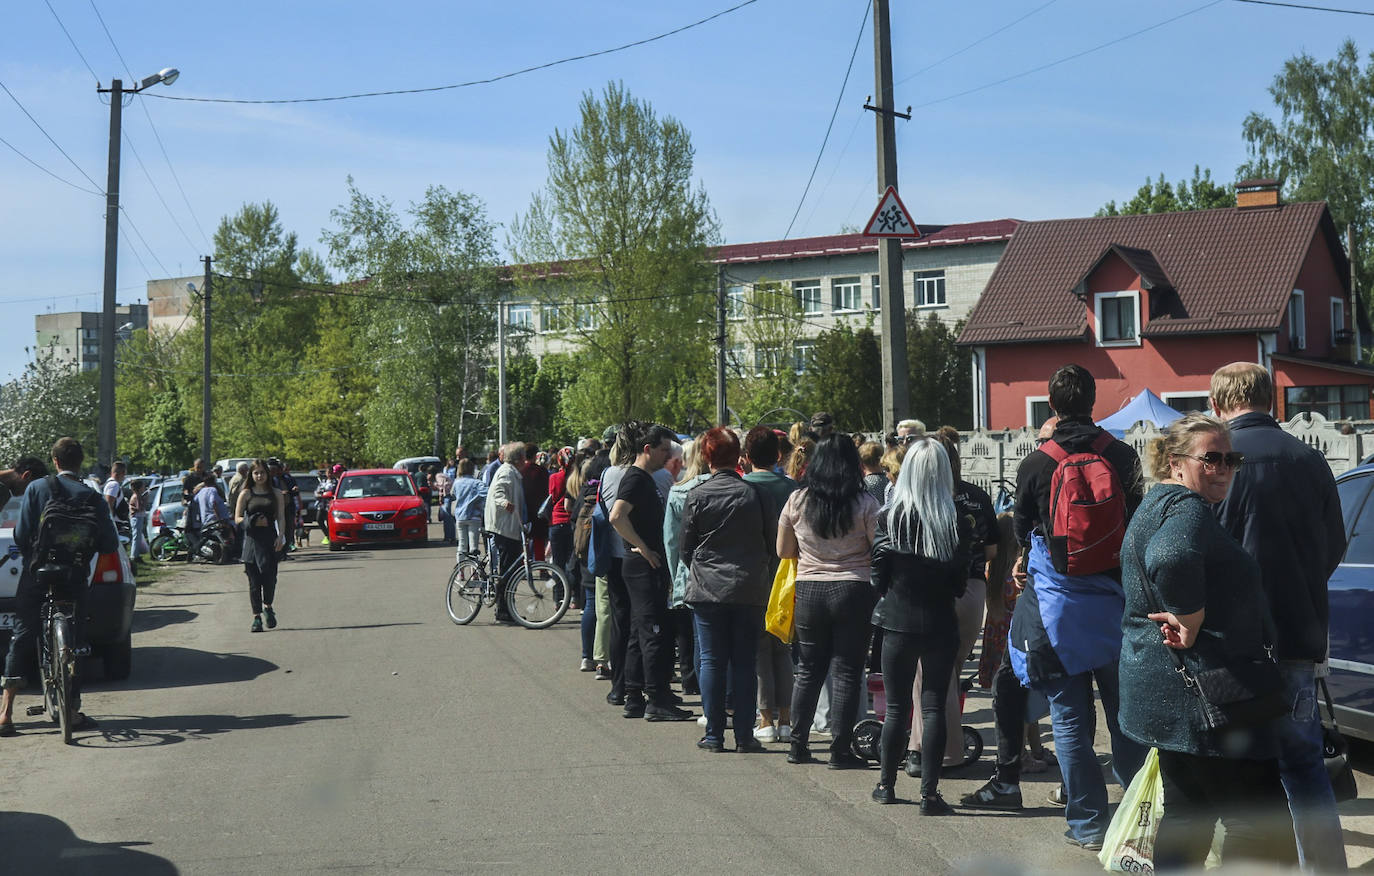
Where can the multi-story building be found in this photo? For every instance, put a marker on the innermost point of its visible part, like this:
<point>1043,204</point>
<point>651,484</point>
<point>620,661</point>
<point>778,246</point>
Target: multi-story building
<point>75,335</point>
<point>170,302</point>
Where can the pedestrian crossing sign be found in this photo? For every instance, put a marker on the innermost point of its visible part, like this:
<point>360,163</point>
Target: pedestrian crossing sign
<point>891,219</point>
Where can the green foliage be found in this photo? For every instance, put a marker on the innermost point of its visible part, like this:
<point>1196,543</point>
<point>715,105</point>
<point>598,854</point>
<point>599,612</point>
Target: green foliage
<point>770,328</point>
<point>323,420</point>
<point>620,232</point>
<point>1321,147</point>
<point>164,441</point>
<point>1158,196</point>
<point>48,401</point>
<point>846,378</point>
<point>939,373</point>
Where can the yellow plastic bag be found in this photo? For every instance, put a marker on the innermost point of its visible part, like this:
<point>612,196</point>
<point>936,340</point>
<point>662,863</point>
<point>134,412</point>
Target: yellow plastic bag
<point>1129,846</point>
<point>778,619</point>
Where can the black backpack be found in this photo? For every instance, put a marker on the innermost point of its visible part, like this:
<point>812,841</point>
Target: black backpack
<point>68,539</point>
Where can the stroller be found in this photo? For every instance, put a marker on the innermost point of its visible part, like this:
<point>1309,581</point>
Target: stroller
<point>868,731</point>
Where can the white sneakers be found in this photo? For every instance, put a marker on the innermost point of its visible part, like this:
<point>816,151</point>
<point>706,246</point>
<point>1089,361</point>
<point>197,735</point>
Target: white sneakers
<point>784,733</point>
<point>587,664</point>
<point>766,734</point>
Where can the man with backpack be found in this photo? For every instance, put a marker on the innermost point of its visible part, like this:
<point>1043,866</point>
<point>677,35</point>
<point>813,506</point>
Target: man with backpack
<point>1074,497</point>
<point>62,522</point>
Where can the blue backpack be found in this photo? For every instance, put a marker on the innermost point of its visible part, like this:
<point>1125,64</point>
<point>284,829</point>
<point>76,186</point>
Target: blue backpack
<point>599,544</point>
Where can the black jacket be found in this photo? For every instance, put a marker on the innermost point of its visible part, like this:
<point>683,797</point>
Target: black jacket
<point>1283,507</point>
<point>917,591</point>
<point>1033,477</point>
<point>729,536</point>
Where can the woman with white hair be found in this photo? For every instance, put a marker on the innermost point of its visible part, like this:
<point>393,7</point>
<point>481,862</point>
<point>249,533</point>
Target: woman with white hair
<point>920,557</point>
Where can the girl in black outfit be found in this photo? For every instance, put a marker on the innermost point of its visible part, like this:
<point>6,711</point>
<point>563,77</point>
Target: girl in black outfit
<point>261,513</point>
<point>920,558</point>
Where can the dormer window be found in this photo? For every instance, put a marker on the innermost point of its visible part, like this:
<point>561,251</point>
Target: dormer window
<point>1118,318</point>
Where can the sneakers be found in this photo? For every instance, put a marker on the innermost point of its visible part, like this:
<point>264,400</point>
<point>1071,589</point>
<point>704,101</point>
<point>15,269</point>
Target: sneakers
<point>936,805</point>
<point>1092,845</point>
<point>257,625</point>
<point>753,746</point>
<point>271,617</point>
<point>784,733</point>
<point>715,746</point>
<point>994,795</point>
<point>634,707</point>
<point>587,665</point>
<point>800,753</point>
<point>615,699</point>
<point>846,760</point>
<point>884,794</point>
<point>603,672</point>
<point>766,734</point>
<point>1057,797</point>
<point>662,712</point>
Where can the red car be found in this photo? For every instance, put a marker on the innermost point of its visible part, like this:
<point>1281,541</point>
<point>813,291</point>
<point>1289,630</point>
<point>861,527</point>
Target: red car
<point>376,505</point>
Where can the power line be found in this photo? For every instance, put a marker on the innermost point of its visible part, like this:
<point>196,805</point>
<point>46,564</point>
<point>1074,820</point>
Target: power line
<point>1067,58</point>
<point>25,111</point>
<point>118,55</point>
<point>130,220</point>
<point>1302,6</point>
<point>469,83</point>
<point>826,139</point>
<point>976,42</point>
<point>134,251</point>
<point>158,192</point>
<point>79,188</point>
<point>176,179</point>
<point>73,42</point>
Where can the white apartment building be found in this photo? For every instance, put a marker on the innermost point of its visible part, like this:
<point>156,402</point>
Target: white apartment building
<point>75,334</point>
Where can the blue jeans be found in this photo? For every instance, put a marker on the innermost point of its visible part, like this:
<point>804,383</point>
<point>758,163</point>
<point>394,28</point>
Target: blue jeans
<point>1316,824</point>
<point>728,640</point>
<point>446,517</point>
<point>1074,716</point>
<point>588,618</point>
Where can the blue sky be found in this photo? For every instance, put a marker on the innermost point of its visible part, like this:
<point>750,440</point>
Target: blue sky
<point>755,87</point>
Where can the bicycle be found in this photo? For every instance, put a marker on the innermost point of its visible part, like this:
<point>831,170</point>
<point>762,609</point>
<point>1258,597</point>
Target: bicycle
<point>57,652</point>
<point>537,593</point>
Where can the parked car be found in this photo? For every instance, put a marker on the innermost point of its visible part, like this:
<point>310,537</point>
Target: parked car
<point>376,505</point>
<point>414,464</point>
<point>165,502</point>
<point>1350,594</point>
<point>109,605</point>
<point>308,481</point>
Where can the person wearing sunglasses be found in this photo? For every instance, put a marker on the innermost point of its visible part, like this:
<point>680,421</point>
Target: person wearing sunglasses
<point>1192,588</point>
<point>1284,508</point>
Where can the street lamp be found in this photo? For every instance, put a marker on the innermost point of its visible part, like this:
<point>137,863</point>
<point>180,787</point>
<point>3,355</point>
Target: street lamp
<point>106,436</point>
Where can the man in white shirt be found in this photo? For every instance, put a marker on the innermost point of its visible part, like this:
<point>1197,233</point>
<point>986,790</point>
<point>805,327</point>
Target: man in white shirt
<point>114,489</point>
<point>505,515</point>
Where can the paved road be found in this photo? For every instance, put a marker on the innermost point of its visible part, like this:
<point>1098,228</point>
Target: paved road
<point>369,734</point>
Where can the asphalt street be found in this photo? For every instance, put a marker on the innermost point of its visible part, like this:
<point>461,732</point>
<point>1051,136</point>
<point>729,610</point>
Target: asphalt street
<point>370,734</point>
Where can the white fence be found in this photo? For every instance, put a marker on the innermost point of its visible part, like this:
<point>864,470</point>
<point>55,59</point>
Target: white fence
<point>990,458</point>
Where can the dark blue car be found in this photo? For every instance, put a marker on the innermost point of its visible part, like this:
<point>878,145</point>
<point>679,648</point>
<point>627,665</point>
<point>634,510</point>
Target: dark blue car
<point>1351,596</point>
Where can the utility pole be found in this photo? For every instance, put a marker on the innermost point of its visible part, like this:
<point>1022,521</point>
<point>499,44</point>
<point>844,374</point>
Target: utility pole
<point>105,450</point>
<point>896,395</point>
<point>721,410</point>
<point>501,373</point>
<point>205,371</point>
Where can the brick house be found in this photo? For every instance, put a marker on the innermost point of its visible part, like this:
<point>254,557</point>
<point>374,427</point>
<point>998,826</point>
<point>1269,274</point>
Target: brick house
<point>1161,301</point>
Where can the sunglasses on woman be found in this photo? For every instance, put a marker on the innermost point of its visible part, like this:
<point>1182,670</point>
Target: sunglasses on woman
<point>1215,459</point>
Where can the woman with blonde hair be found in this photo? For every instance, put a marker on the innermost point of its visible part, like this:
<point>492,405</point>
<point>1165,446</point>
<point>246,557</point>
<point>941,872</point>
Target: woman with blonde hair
<point>800,458</point>
<point>920,560</point>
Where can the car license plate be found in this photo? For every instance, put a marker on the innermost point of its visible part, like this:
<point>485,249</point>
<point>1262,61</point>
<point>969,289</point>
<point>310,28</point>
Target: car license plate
<point>375,527</point>
<point>6,620</point>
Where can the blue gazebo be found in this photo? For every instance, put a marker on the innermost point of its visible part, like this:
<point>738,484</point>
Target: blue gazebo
<point>1147,406</point>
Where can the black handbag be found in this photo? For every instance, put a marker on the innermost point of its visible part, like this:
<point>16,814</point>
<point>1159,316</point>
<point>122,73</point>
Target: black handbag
<point>545,512</point>
<point>1336,753</point>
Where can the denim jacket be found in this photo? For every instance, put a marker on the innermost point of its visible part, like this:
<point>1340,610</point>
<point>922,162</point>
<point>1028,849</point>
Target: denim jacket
<point>672,536</point>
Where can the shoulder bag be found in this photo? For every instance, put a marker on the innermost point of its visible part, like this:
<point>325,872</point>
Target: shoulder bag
<point>1336,753</point>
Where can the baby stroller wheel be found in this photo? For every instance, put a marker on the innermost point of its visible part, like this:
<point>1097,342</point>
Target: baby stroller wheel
<point>973,745</point>
<point>866,734</point>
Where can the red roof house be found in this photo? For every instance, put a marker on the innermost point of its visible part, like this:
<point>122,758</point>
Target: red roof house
<point>1162,300</point>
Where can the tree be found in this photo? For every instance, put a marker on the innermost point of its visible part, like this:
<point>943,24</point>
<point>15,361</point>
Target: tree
<point>939,373</point>
<point>49,400</point>
<point>1158,196</point>
<point>323,419</point>
<point>427,293</point>
<point>846,378</point>
<point>1322,145</point>
<point>617,247</point>
<point>770,328</point>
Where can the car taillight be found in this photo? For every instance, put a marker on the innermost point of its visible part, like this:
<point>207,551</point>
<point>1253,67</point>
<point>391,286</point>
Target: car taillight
<point>107,569</point>
<point>157,517</point>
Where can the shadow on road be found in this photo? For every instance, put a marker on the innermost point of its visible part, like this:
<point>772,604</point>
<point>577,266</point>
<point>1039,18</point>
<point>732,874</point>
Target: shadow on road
<point>165,666</point>
<point>146,619</point>
<point>36,843</point>
<point>140,731</point>
<point>353,627</point>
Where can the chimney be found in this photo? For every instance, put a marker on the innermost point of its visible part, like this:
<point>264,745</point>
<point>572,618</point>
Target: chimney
<point>1257,193</point>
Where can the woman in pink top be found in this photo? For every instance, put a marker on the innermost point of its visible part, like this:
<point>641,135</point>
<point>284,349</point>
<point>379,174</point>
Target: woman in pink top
<point>828,527</point>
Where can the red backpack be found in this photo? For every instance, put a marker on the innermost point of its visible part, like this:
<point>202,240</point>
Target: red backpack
<point>1087,510</point>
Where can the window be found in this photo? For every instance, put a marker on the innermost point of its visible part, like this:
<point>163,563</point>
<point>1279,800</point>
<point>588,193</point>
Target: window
<point>1187,402</point>
<point>90,350</point>
<point>520,316</point>
<point>768,359</point>
<point>1117,318</point>
<point>735,357</point>
<point>1352,491</point>
<point>803,354</point>
<point>1037,410</point>
<point>735,302</point>
<point>877,293</point>
<point>1337,319</point>
<point>89,334</point>
<point>1297,321</point>
<point>808,294</point>
<point>930,288</point>
<point>846,293</point>
<point>555,317</point>
<point>1332,402</point>
<point>585,315</point>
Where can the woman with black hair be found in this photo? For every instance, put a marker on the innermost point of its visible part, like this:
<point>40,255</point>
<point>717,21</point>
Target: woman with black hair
<point>828,527</point>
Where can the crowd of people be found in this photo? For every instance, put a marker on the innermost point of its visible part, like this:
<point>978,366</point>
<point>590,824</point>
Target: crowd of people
<point>1133,608</point>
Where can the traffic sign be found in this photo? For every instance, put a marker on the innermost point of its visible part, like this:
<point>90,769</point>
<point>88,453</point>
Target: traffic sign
<point>891,219</point>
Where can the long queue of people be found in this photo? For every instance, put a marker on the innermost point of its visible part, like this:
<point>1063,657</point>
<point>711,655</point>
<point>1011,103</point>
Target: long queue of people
<point>1163,601</point>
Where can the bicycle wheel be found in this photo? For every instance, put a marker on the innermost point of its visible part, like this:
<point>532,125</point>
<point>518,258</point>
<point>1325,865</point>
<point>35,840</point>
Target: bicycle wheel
<point>464,595</point>
<point>61,654</point>
<point>539,599</point>
<point>163,549</point>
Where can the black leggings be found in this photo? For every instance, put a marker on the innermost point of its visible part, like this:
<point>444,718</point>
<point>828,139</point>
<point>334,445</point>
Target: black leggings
<point>936,650</point>
<point>262,585</point>
<point>833,626</point>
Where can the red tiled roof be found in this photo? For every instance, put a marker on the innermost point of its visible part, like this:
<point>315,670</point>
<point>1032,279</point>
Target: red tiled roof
<point>1232,269</point>
<point>846,244</point>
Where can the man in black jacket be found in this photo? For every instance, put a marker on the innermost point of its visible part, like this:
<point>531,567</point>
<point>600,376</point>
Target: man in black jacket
<point>1284,508</point>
